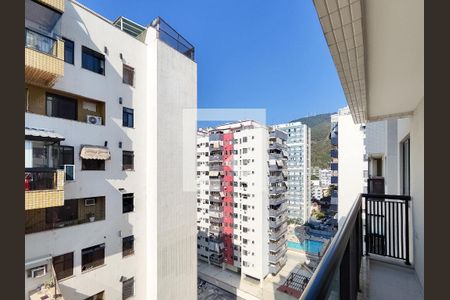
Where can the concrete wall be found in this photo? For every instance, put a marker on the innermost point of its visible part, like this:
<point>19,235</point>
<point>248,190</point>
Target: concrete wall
<point>176,236</point>
<point>417,188</point>
<point>351,164</point>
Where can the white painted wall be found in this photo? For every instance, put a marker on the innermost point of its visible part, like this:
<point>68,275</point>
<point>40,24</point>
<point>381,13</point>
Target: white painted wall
<point>351,163</point>
<point>417,189</point>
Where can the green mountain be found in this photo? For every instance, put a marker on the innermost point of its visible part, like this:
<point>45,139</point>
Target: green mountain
<point>320,144</point>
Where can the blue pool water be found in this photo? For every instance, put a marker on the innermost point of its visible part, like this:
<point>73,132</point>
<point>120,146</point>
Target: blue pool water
<point>310,246</point>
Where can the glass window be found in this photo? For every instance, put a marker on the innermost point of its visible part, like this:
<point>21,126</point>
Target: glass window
<point>61,107</point>
<point>68,51</point>
<point>62,214</point>
<point>128,288</point>
<point>127,202</point>
<point>92,60</point>
<point>128,160</point>
<point>92,164</point>
<point>92,257</point>
<point>63,265</point>
<point>128,117</point>
<point>128,75</point>
<point>66,155</point>
<point>127,245</point>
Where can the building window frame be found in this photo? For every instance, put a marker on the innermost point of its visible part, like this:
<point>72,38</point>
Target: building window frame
<point>65,261</point>
<point>127,203</point>
<point>127,160</point>
<point>69,48</point>
<point>128,246</point>
<point>128,117</point>
<point>92,164</point>
<point>92,60</point>
<point>92,257</point>
<point>128,75</point>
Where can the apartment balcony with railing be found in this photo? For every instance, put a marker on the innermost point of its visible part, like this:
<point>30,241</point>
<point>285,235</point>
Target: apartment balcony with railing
<point>73,212</point>
<point>369,258</point>
<point>275,257</point>
<point>277,210</point>
<point>44,49</point>
<point>216,229</point>
<point>276,233</point>
<point>215,197</point>
<point>44,187</point>
<point>275,222</point>
<point>277,199</point>
<point>274,268</point>
<point>275,246</point>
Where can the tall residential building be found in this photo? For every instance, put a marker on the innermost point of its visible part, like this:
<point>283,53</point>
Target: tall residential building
<point>241,209</point>
<point>334,158</point>
<point>106,215</point>
<point>316,190</point>
<point>325,177</point>
<point>299,169</point>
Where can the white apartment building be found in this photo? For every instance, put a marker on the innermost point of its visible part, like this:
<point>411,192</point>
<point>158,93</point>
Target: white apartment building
<point>352,165</point>
<point>299,169</point>
<point>325,177</point>
<point>241,209</point>
<point>316,190</point>
<point>106,215</point>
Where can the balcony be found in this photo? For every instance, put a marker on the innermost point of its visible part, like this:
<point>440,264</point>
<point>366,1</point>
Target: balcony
<point>215,229</point>
<point>44,188</point>
<point>380,240</point>
<point>278,221</point>
<point>172,38</point>
<point>275,234</point>
<point>276,246</point>
<point>44,58</point>
<point>216,168</point>
<point>216,209</point>
<point>55,4</point>
<point>74,212</point>
<point>275,268</point>
<point>277,200</point>
<point>275,258</point>
<point>215,198</point>
<point>275,212</point>
<point>215,158</point>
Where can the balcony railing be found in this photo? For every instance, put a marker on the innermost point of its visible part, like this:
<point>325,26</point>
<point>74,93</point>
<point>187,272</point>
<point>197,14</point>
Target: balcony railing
<point>40,179</point>
<point>386,233</point>
<point>44,58</point>
<point>172,38</point>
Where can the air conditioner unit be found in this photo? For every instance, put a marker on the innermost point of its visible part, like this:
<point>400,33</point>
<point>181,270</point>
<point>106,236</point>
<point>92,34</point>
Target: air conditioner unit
<point>69,171</point>
<point>94,120</point>
<point>38,272</point>
<point>89,202</point>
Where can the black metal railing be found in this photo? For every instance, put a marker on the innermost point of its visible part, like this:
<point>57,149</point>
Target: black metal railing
<point>171,37</point>
<point>337,275</point>
<point>387,225</point>
<point>40,179</point>
<point>385,232</point>
<point>40,42</point>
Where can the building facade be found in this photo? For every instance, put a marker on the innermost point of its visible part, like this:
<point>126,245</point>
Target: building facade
<point>241,206</point>
<point>316,190</point>
<point>299,170</point>
<point>105,210</point>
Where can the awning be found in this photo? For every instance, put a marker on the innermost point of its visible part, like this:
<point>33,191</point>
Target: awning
<point>279,162</point>
<point>95,152</point>
<point>42,134</point>
<point>38,261</point>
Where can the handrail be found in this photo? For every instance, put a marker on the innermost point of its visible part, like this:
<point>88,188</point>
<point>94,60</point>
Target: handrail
<point>386,196</point>
<point>321,280</point>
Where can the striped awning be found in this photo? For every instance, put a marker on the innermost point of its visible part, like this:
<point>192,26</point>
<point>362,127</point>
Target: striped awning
<point>95,152</point>
<point>42,134</point>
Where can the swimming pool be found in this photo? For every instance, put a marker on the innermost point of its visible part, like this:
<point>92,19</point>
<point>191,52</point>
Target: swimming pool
<point>309,246</point>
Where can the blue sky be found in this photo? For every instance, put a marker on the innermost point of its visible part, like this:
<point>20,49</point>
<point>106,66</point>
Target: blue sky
<point>250,53</point>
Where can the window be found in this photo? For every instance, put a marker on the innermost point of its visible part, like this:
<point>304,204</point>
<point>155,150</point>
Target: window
<point>61,107</point>
<point>62,214</point>
<point>128,288</point>
<point>98,296</point>
<point>127,203</point>
<point>66,156</point>
<point>128,117</point>
<point>128,160</point>
<point>92,60</point>
<point>128,75</point>
<point>63,265</point>
<point>92,164</point>
<point>68,51</point>
<point>127,245</point>
<point>92,257</point>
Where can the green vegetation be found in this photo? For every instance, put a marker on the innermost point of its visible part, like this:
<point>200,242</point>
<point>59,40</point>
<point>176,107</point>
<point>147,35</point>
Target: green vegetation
<point>320,144</point>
